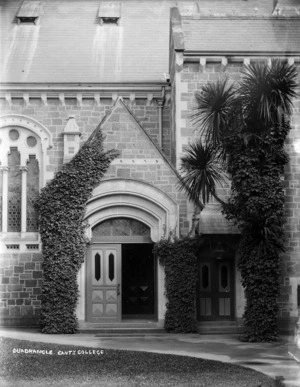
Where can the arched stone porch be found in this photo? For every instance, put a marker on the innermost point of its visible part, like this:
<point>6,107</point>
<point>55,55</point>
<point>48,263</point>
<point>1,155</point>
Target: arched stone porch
<point>136,200</point>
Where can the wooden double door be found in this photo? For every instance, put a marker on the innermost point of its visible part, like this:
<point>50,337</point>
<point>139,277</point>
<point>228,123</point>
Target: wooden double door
<point>121,282</point>
<point>215,289</point>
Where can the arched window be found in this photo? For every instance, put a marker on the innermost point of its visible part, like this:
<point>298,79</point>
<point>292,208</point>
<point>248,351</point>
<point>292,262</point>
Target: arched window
<point>121,228</point>
<point>23,145</point>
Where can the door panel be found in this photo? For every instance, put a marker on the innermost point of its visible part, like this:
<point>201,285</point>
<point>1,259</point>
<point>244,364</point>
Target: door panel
<point>215,290</point>
<point>104,283</point>
<point>205,290</point>
<point>224,289</point>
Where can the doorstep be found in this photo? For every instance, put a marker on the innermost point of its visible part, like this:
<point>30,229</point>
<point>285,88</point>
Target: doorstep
<point>219,327</point>
<point>139,327</point>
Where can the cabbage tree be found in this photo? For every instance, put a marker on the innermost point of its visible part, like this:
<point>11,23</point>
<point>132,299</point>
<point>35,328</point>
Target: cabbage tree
<point>242,128</point>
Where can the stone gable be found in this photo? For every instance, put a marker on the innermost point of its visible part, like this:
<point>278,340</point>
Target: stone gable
<point>139,157</point>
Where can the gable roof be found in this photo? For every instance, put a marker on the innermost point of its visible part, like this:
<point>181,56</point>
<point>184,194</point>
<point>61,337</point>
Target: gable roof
<point>242,35</point>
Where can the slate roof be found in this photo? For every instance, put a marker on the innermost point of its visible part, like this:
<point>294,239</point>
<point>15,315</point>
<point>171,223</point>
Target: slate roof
<point>226,7</point>
<point>242,35</point>
<point>70,45</point>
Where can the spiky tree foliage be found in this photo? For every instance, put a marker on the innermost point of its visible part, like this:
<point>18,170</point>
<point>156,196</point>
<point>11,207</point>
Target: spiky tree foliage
<point>245,126</point>
<point>201,172</point>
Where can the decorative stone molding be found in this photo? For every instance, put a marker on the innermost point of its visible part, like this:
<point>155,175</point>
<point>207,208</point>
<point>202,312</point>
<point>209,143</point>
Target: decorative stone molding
<point>149,99</point>
<point>62,99</point>
<point>202,63</point>
<point>246,61</point>
<point>29,123</point>
<point>26,99</point>
<point>80,93</point>
<point>167,99</point>
<point>8,99</point>
<point>79,99</point>
<point>97,99</point>
<point>71,135</point>
<point>136,200</point>
<point>224,63</point>
<point>131,99</point>
<point>44,99</point>
<point>40,131</point>
<point>179,60</point>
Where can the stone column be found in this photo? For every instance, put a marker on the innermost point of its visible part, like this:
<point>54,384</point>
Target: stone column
<point>24,199</point>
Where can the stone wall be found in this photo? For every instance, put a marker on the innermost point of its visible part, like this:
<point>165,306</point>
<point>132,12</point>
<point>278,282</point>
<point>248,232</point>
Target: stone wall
<point>21,281</point>
<point>290,280</point>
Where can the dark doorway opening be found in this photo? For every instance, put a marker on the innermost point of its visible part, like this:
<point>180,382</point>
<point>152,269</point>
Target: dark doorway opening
<point>138,281</point>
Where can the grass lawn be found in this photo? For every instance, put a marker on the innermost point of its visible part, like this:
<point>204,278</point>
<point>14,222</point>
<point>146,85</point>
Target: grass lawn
<point>69,366</point>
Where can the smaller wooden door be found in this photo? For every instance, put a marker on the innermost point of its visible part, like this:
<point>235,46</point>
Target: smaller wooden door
<point>216,290</point>
<point>104,283</point>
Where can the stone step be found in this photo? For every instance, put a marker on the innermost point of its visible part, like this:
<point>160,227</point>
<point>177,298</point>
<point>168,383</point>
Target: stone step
<point>152,328</point>
<point>218,323</point>
<point>141,328</point>
<point>219,327</point>
<point>128,332</point>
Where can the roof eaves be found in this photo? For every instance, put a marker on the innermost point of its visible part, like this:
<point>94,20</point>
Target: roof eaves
<point>191,53</point>
<point>203,17</point>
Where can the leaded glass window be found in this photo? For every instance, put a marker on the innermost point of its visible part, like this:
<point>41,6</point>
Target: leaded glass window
<point>14,191</point>
<point>21,154</point>
<point>121,227</point>
<point>32,193</point>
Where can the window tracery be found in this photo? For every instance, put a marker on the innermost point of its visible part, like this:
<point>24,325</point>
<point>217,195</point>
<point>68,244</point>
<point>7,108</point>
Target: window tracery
<point>22,156</point>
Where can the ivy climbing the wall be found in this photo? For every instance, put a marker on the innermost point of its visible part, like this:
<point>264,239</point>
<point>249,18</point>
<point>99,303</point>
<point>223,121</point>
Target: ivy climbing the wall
<point>256,205</point>
<point>179,259</point>
<point>61,209</point>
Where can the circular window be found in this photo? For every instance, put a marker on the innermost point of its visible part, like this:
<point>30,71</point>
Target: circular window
<point>13,134</point>
<point>31,141</point>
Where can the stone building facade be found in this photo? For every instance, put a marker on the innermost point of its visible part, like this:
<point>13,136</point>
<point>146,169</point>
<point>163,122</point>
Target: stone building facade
<point>133,68</point>
<point>193,64</point>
